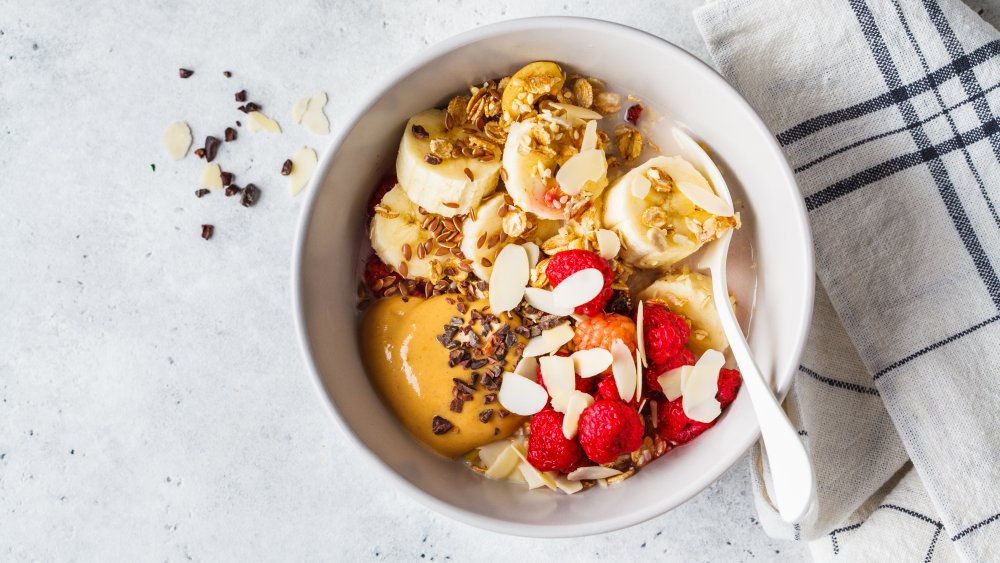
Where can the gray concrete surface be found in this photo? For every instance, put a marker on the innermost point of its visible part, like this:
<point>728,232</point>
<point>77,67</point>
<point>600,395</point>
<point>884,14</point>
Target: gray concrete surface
<point>153,403</point>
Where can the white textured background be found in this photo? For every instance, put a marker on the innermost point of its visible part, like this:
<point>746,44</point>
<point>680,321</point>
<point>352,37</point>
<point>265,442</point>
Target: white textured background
<point>153,403</point>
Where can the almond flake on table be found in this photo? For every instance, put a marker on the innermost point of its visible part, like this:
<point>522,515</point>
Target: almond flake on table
<point>591,362</point>
<point>579,288</point>
<point>309,113</point>
<point>303,164</point>
<point>592,472</point>
<point>548,341</point>
<point>521,395</point>
<point>623,369</point>
<point>544,301</point>
<point>508,278</point>
<point>701,386</point>
<point>211,177</point>
<point>260,122</point>
<point>177,139</point>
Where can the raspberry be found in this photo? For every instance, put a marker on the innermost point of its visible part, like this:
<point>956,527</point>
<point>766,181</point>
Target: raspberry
<point>665,332</point>
<point>375,270</point>
<point>608,389</point>
<point>675,426</point>
<point>684,358</point>
<point>729,385</point>
<point>548,448</point>
<point>609,429</point>
<point>385,184</point>
<point>568,262</point>
<point>582,384</point>
<point>601,331</point>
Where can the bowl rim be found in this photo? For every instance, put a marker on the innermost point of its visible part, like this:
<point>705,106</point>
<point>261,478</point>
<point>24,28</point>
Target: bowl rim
<point>415,63</point>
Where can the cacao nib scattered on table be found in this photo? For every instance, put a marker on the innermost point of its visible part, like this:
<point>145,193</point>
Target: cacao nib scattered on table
<point>185,73</point>
<point>207,231</point>
<point>250,195</point>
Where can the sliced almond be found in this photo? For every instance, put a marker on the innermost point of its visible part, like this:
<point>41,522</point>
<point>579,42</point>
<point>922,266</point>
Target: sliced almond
<point>211,177</point>
<point>508,278</point>
<point>531,475</point>
<point>489,453</point>
<point>548,341</point>
<point>608,243</point>
<point>257,121</point>
<point>670,382</point>
<point>640,187</point>
<point>582,168</point>
<point>578,401</point>
<point>542,299</point>
<point>527,368</point>
<point>579,288</point>
<point>546,478</point>
<point>654,413</point>
<point>589,141</point>
<point>533,254</point>
<point>177,139</point>
<point>521,395</point>
<point>623,369</point>
<point>567,486</point>
<point>704,163</point>
<point>592,472</point>
<point>589,363</point>
<point>303,164</point>
<point>505,463</point>
<point>299,110</point>
<point>558,373</point>
<point>694,186</point>
<point>560,400</point>
<point>577,112</point>
<point>701,386</point>
<point>314,120</point>
<point>640,337</point>
<point>638,376</point>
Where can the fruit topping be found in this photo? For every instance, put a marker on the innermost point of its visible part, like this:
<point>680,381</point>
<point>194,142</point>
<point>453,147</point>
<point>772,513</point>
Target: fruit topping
<point>665,333</point>
<point>608,429</point>
<point>548,448</point>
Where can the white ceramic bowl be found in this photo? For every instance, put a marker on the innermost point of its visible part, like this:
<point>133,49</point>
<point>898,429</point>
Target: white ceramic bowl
<point>326,253</point>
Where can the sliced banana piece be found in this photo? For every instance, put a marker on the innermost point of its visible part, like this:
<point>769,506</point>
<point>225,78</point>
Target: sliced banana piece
<point>543,151</point>
<point>690,294</point>
<point>528,84</point>
<point>396,232</point>
<point>478,233</point>
<point>657,223</point>
<point>434,173</point>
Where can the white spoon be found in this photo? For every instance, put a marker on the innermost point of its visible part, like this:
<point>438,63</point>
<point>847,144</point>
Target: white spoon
<point>791,471</point>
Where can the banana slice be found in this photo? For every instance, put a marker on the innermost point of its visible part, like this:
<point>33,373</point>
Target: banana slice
<point>486,227</point>
<point>690,294</point>
<point>396,232</point>
<point>528,84</point>
<point>542,154</point>
<point>434,172</point>
<point>657,223</point>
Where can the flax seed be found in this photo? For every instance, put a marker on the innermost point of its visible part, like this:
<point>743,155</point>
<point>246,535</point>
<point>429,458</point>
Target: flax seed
<point>485,262</point>
<point>468,174</point>
<point>407,252</point>
<point>403,269</point>
<point>481,241</point>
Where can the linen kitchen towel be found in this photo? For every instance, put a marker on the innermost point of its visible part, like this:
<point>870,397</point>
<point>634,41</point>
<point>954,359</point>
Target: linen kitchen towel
<point>887,110</point>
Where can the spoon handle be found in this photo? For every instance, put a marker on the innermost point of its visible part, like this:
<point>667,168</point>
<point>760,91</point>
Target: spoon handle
<point>791,471</point>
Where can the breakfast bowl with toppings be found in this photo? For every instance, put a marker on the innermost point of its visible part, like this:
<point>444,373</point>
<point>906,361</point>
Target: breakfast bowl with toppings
<point>498,283</point>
